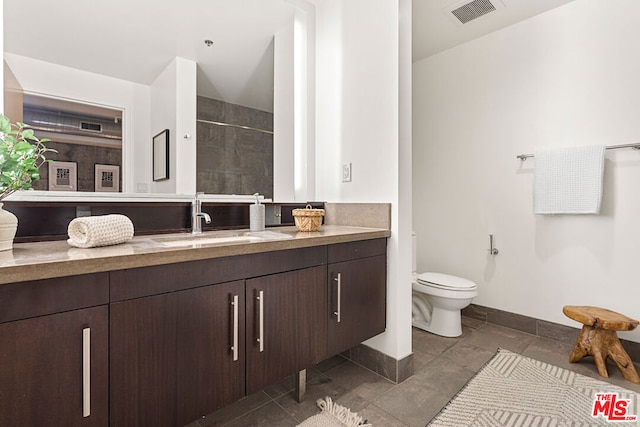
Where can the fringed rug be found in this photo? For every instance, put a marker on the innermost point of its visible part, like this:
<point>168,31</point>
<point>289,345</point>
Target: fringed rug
<point>334,415</point>
<point>512,390</point>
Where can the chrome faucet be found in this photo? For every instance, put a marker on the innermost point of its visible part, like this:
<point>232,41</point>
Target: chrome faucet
<point>197,215</point>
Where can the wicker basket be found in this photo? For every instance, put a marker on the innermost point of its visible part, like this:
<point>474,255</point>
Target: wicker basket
<point>308,219</point>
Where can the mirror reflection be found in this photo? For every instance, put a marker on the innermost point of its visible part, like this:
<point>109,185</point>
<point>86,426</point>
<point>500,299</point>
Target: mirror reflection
<point>146,67</point>
<point>87,140</point>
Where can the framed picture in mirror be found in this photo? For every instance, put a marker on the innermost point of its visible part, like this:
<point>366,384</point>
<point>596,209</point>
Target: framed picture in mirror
<point>161,156</point>
<point>63,176</point>
<point>107,178</point>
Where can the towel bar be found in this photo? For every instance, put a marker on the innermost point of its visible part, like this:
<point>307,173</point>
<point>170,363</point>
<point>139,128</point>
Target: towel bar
<point>635,146</point>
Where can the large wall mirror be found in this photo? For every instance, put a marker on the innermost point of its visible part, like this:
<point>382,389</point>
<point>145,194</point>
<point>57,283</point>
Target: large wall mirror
<point>95,67</point>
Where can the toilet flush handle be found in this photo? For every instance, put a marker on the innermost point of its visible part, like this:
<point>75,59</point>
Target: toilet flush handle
<point>492,250</point>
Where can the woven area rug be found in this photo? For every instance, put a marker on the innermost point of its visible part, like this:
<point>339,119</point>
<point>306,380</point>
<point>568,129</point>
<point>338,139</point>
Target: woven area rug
<point>333,415</point>
<point>513,390</point>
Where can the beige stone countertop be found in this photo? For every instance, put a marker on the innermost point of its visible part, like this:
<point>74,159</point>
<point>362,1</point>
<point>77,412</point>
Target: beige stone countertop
<point>44,260</point>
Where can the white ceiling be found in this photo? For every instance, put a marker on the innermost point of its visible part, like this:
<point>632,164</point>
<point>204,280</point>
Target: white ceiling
<point>435,30</point>
<point>136,39</point>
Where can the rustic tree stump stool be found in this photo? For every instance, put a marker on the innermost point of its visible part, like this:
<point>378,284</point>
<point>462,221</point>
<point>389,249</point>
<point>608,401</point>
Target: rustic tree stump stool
<point>598,338</point>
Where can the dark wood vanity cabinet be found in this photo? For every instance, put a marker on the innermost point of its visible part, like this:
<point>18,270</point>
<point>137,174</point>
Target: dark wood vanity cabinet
<point>357,280</point>
<point>174,342</point>
<point>172,358</point>
<point>54,352</point>
<point>286,327</point>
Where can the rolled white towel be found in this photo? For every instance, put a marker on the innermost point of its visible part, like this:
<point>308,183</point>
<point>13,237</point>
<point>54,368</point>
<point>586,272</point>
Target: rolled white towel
<point>103,230</point>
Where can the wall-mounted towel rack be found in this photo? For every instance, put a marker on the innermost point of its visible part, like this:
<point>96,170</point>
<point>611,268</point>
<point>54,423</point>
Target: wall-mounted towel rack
<point>635,146</point>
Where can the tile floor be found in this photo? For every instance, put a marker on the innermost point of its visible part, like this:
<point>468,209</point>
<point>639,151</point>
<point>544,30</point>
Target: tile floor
<point>442,367</point>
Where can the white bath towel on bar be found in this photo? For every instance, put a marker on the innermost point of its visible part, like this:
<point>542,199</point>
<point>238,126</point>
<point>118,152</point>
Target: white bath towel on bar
<point>569,180</point>
<point>101,230</point>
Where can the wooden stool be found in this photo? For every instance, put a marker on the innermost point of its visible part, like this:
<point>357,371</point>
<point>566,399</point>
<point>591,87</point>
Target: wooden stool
<point>598,338</point>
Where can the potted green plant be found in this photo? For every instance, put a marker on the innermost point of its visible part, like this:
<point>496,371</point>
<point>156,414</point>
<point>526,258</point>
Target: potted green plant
<point>21,155</point>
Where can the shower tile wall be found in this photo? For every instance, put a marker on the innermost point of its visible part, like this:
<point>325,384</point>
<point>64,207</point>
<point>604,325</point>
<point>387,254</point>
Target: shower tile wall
<point>232,160</point>
<point>85,157</point>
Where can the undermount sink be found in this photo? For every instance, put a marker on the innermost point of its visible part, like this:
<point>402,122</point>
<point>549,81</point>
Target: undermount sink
<point>196,240</point>
<point>206,239</point>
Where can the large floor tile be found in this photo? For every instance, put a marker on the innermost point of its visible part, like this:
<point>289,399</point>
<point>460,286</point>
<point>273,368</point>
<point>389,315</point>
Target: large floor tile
<point>492,337</point>
<point>412,403</point>
<point>267,416</point>
<point>442,366</point>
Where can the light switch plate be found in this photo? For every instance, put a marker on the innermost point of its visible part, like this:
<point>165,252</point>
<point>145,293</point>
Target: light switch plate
<point>346,172</point>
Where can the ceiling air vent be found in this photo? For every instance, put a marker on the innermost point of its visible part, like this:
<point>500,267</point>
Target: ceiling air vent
<point>466,11</point>
<point>93,127</point>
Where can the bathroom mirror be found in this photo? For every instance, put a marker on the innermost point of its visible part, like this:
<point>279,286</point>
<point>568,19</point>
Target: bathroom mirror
<point>160,150</point>
<point>133,43</point>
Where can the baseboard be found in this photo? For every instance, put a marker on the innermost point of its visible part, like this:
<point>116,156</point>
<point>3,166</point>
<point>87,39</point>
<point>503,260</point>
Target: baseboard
<point>538,327</point>
<point>396,370</point>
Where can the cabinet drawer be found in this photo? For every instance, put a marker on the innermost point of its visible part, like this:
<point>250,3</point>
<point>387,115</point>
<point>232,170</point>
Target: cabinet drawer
<point>147,281</point>
<point>40,297</point>
<point>355,250</point>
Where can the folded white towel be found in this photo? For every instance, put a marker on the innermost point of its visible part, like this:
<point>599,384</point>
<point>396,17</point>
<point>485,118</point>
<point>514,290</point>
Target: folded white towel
<point>103,230</point>
<point>569,180</point>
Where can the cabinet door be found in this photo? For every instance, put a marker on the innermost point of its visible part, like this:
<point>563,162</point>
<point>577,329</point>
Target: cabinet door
<point>286,325</point>
<point>171,357</point>
<point>357,307</point>
<point>211,353</point>
<point>42,376</point>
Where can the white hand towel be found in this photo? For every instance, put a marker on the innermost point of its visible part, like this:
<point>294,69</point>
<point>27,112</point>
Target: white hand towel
<point>103,230</point>
<point>569,180</point>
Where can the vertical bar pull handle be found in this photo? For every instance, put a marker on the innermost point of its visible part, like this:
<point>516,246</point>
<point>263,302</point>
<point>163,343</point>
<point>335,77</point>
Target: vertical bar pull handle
<point>234,346</point>
<point>86,372</point>
<point>261,320</point>
<point>339,280</point>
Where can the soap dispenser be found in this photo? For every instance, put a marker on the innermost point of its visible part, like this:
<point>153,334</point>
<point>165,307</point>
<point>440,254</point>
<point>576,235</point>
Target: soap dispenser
<point>256,215</point>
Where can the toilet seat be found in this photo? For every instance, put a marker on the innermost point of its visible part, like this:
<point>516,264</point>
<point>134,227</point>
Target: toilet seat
<point>446,281</point>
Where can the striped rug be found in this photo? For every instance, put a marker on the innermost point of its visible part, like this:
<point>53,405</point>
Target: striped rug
<point>512,390</point>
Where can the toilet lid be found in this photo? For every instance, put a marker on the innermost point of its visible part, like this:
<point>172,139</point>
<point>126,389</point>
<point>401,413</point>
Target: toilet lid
<point>445,281</point>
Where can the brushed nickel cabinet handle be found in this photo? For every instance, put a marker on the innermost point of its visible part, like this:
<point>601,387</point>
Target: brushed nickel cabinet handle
<point>339,280</point>
<point>86,372</point>
<point>234,347</point>
<point>261,320</point>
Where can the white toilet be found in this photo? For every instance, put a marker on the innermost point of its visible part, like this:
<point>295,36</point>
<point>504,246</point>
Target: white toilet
<point>438,299</point>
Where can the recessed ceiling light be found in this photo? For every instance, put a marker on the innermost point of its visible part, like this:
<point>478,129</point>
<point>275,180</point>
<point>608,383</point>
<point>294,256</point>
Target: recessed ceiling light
<point>208,42</point>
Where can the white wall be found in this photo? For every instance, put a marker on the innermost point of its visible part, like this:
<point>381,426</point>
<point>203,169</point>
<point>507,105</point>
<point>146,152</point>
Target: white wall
<point>283,125</point>
<point>566,77</point>
<point>186,106</point>
<point>52,80</point>
<point>173,107</point>
<point>361,53</point>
